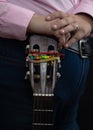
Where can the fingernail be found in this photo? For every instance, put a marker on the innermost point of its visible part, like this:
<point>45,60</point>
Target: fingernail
<point>62,31</point>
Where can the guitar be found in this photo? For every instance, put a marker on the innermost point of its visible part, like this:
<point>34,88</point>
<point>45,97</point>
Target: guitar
<point>44,60</point>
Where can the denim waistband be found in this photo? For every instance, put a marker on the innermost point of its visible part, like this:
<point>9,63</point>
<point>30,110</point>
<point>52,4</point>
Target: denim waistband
<point>74,48</point>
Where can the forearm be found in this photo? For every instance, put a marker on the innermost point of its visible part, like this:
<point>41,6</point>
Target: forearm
<point>36,24</point>
<point>39,25</point>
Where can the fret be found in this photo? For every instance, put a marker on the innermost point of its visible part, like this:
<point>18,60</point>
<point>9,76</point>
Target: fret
<point>41,94</point>
<point>40,110</point>
<point>42,124</point>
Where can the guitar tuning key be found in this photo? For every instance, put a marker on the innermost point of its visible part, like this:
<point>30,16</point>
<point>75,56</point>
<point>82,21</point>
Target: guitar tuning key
<point>59,66</point>
<point>59,63</point>
<point>27,75</point>
<point>58,75</point>
<point>27,49</point>
<point>27,63</point>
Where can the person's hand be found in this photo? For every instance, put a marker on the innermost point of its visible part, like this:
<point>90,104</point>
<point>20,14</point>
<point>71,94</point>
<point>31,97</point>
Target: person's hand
<point>79,26</point>
<point>39,25</point>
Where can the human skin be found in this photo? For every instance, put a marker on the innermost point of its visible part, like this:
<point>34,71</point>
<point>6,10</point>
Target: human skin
<point>60,24</point>
<point>39,25</point>
<point>67,24</point>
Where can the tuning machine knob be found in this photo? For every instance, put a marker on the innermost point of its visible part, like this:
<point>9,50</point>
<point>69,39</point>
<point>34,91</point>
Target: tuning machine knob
<point>58,75</point>
<point>27,75</point>
<point>27,48</point>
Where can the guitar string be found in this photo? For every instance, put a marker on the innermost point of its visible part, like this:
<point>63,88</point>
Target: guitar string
<point>40,110</point>
<point>33,112</point>
<point>40,107</point>
<point>37,113</point>
<point>44,104</point>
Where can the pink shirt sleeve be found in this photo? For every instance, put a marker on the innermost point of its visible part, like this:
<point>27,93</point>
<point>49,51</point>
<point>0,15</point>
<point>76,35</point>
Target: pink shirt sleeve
<point>85,6</point>
<point>14,20</point>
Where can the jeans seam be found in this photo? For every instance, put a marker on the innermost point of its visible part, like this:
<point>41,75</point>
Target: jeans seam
<point>83,66</point>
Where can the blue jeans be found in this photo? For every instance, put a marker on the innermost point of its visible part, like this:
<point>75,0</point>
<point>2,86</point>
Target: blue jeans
<point>16,94</point>
<point>69,88</point>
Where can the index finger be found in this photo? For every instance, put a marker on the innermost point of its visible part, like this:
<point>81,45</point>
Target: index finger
<point>76,37</point>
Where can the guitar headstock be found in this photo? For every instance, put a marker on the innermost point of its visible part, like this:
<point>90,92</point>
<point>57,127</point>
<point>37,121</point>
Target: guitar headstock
<point>43,60</point>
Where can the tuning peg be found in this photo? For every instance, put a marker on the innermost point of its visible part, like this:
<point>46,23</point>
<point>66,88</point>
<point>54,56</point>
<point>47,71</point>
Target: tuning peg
<point>27,49</point>
<point>27,63</point>
<point>27,75</point>
<point>59,65</point>
<point>58,75</point>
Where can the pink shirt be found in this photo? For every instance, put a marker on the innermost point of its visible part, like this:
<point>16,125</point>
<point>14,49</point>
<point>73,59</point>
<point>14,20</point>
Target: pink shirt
<point>15,15</point>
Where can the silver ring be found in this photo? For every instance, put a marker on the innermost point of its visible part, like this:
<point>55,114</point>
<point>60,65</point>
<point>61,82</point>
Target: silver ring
<point>76,27</point>
<point>68,36</point>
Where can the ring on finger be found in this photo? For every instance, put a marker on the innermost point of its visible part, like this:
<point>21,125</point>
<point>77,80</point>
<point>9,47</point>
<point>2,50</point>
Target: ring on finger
<point>76,27</point>
<point>68,36</point>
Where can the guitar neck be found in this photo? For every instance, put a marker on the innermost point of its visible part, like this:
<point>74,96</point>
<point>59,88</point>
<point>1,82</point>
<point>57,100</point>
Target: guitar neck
<point>42,113</point>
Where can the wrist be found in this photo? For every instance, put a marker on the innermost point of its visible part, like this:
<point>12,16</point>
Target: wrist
<point>36,24</point>
<point>87,18</point>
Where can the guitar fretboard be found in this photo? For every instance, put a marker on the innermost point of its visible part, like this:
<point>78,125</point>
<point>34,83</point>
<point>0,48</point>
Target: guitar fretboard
<point>42,112</point>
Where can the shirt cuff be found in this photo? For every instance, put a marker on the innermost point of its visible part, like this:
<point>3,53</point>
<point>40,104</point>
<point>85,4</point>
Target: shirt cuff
<point>84,8</point>
<point>15,22</point>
